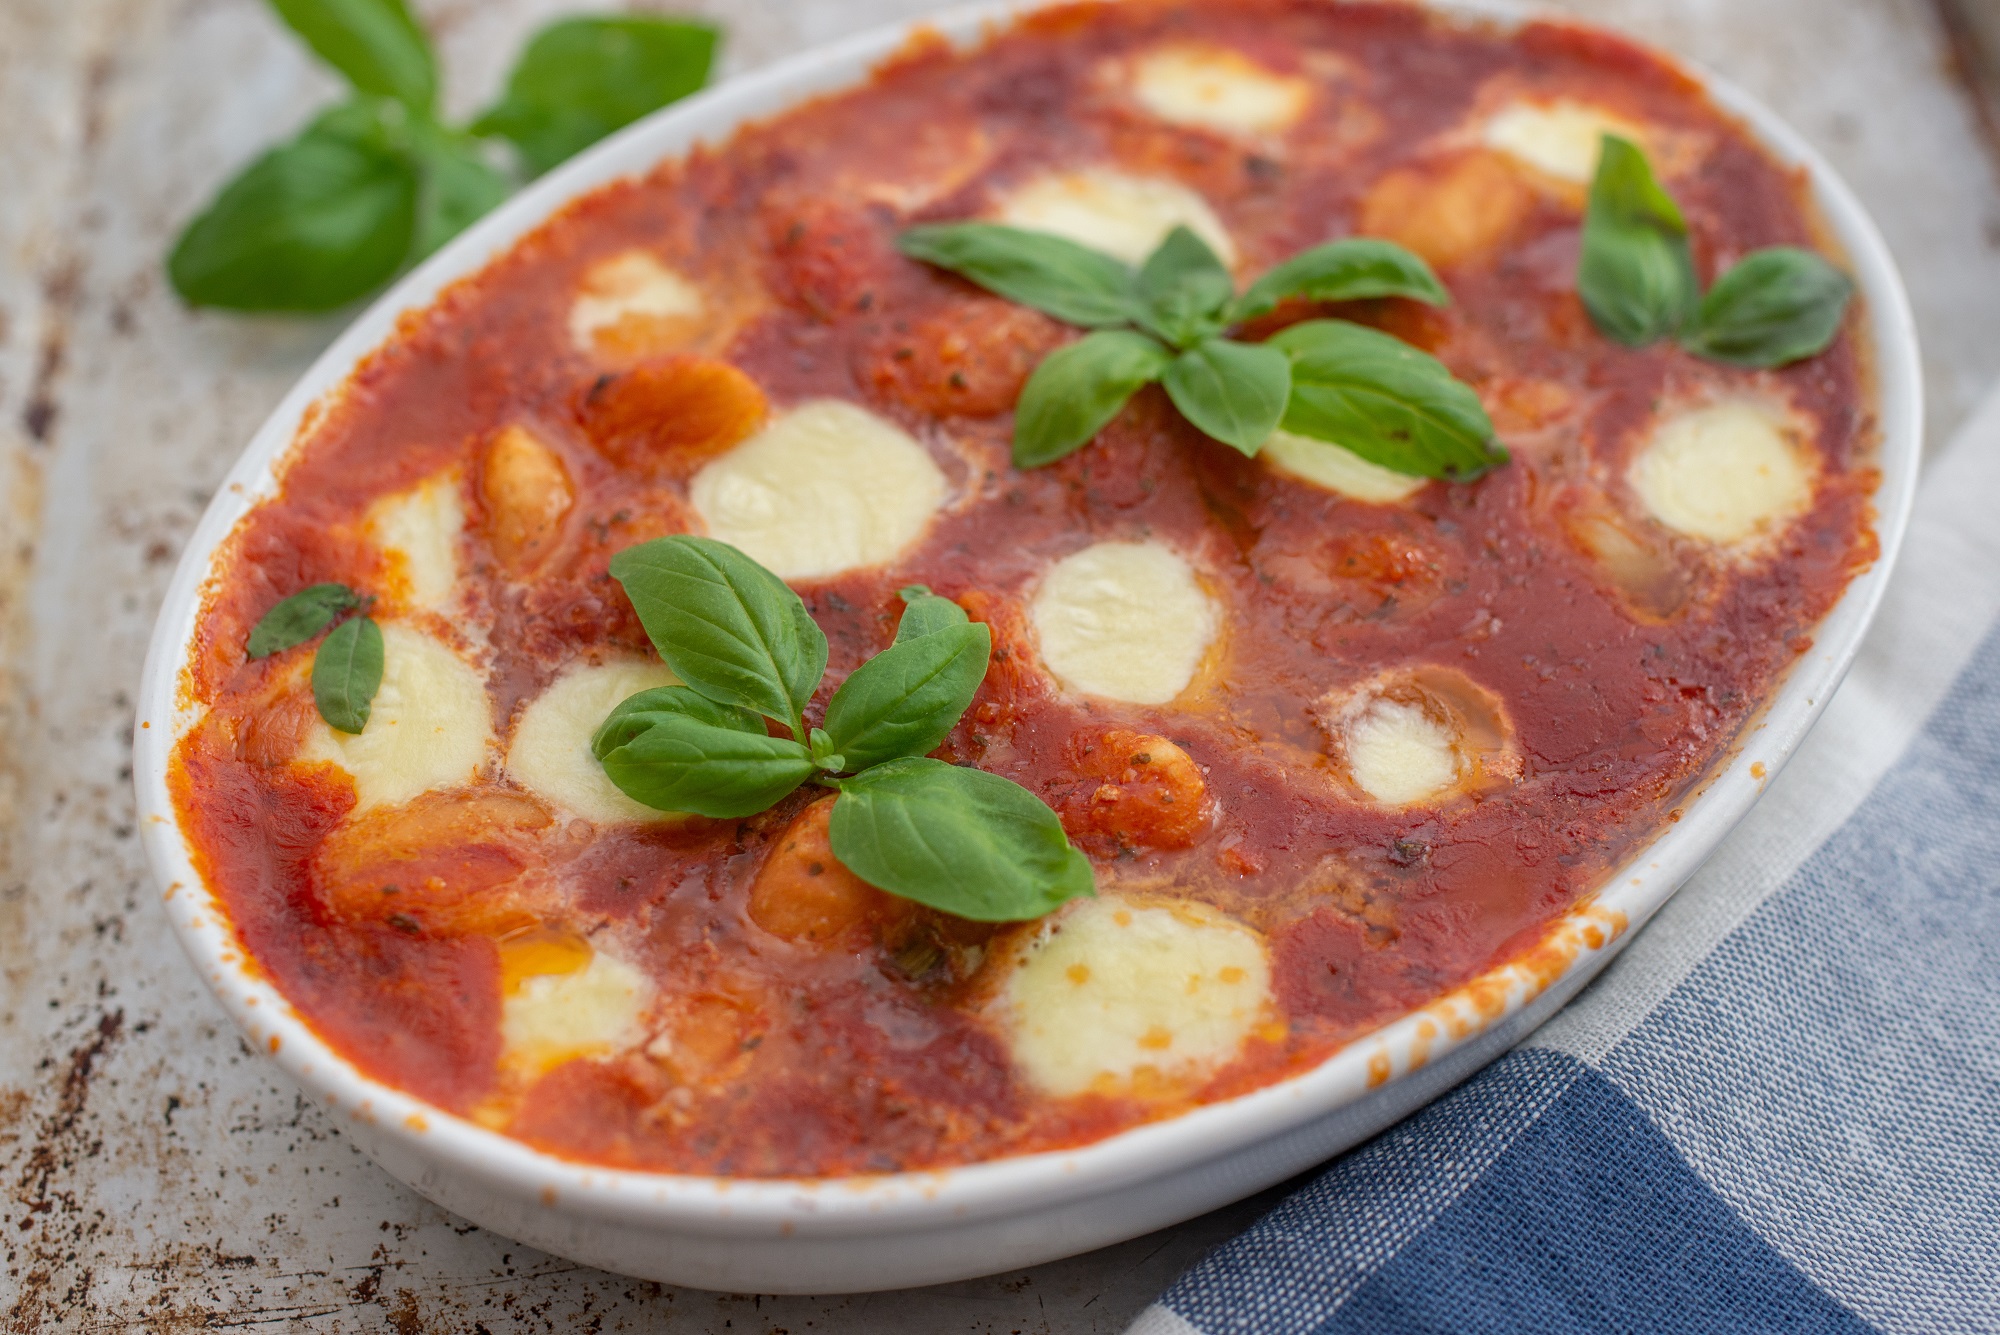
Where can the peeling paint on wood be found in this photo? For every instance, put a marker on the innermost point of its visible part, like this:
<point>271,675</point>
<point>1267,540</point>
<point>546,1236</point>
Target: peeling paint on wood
<point>154,1171</point>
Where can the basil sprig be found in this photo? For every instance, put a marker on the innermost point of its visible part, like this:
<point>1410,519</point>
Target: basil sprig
<point>1169,321</point>
<point>380,180</point>
<point>1636,277</point>
<point>347,669</point>
<point>959,840</point>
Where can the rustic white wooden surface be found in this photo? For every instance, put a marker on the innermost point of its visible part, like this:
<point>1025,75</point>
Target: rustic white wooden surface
<point>153,1173</point>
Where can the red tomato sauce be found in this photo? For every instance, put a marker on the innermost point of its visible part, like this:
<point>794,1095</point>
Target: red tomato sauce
<point>868,1051</point>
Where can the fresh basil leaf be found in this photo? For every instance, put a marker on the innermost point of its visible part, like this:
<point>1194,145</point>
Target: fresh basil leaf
<point>1235,392</point>
<point>904,700</point>
<point>1635,274</point>
<point>1079,388</point>
<point>347,671</point>
<point>1386,401</point>
<point>299,618</point>
<point>925,612</point>
<point>307,227</point>
<point>635,714</point>
<point>459,188</point>
<point>1074,283</point>
<point>1774,306</point>
<point>823,755</point>
<point>375,43</point>
<point>1184,288</point>
<point>681,762</point>
<point>1347,270</point>
<point>962,841</point>
<point>727,627</point>
<point>582,78</point>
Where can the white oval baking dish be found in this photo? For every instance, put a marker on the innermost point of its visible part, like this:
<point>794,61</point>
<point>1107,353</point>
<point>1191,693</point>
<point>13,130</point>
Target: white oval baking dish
<point>898,1230</point>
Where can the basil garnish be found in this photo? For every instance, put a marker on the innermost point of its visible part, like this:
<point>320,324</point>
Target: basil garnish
<point>299,618</point>
<point>1235,392</point>
<point>380,180</point>
<point>726,626</point>
<point>1076,390</point>
<point>1168,322</point>
<point>903,701</point>
<point>1635,273</point>
<point>1388,402</point>
<point>347,671</point>
<point>374,43</point>
<point>1772,307</point>
<point>1074,283</point>
<point>579,79</point>
<point>1636,278</point>
<point>960,840</point>
<point>743,642</point>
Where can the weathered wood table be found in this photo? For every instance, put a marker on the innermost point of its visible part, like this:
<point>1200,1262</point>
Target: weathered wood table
<point>155,1174</point>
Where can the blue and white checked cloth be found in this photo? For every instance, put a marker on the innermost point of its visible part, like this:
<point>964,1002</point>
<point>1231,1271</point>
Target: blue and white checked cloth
<point>1779,1110</point>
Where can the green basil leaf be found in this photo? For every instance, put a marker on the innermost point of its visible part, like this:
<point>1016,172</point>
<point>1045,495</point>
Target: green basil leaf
<point>375,43</point>
<point>904,700</point>
<point>962,841</point>
<point>299,618</point>
<point>1774,306</point>
<point>1235,392</point>
<point>924,612</point>
<point>582,78</point>
<point>1388,402</point>
<point>1079,388</point>
<point>1348,270</point>
<point>1184,288</point>
<point>823,755</point>
<point>1635,273</point>
<point>347,671</point>
<point>309,226</point>
<point>635,714</point>
<point>727,627</point>
<point>1074,283</point>
<point>681,762</point>
<point>459,188</point>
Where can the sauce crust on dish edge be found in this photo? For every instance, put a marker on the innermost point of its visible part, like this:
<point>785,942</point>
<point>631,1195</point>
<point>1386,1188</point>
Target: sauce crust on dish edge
<point>1335,742</point>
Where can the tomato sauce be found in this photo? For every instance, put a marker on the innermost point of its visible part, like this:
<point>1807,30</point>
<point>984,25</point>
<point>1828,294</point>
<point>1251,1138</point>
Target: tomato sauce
<point>867,1051</point>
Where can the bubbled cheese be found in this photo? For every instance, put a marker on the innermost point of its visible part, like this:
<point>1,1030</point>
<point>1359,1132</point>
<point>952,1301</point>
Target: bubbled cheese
<point>1325,464</point>
<point>577,1009</point>
<point>1560,139</point>
<point>550,755</point>
<point>1727,473</point>
<point>1397,752</point>
<point>1115,988</point>
<point>1125,216</point>
<point>1215,88</point>
<point>1125,620</point>
<point>632,285</point>
<point>418,530</point>
<point>826,488</point>
<point>429,727</point>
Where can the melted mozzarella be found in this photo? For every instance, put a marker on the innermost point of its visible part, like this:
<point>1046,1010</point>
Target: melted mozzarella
<point>1560,139</point>
<point>430,725</point>
<point>1727,473</point>
<point>1114,988</point>
<point>826,488</point>
<point>1396,752</point>
<point>419,531</point>
<point>1125,216</point>
<point>550,755</point>
<point>588,1004</point>
<point>1216,88</point>
<point>1325,464</point>
<point>1126,620</point>
<point>631,285</point>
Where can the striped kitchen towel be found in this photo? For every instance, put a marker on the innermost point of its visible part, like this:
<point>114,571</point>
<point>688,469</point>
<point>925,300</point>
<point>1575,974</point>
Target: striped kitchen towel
<point>1779,1110</point>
